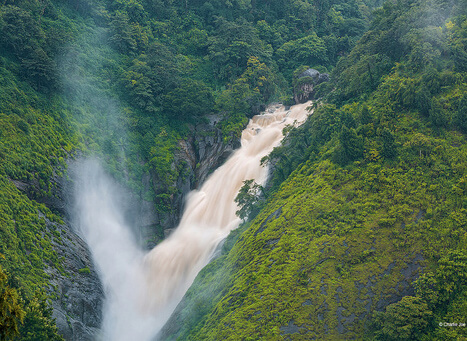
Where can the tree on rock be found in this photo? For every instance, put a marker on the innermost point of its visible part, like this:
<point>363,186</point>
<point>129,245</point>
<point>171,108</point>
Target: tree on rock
<point>247,197</point>
<point>38,322</point>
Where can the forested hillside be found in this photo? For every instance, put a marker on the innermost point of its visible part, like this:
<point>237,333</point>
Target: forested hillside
<point>127,81</point>
<point>361,232</point>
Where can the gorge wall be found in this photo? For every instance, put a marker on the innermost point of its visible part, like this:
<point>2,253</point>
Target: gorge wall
<point>77,290</point>
<point>198,155</point>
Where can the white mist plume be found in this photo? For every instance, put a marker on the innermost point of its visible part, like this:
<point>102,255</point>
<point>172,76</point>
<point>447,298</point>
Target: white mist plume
<point>143,290</point>
<point>115,252</point>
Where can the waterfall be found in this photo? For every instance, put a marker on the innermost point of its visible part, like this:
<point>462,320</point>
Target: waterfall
<point>144,289</point>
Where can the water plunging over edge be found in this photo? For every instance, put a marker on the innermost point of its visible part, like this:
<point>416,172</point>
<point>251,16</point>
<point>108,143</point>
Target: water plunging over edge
<point>143,290</point>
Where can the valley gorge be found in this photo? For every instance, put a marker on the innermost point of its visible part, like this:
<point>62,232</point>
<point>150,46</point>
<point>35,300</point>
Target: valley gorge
<point>143,198</point>
<point>78,308</point>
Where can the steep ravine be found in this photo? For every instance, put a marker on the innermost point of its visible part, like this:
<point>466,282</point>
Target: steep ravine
<point>142,288</point>
<point>77,292</point>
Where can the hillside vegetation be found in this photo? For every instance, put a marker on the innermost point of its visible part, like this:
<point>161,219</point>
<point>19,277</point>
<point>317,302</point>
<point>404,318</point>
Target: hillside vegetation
<point>361,233</point>
<point>127,80</point>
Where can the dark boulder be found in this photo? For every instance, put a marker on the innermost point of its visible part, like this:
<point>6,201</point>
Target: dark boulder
<point>314,74</point>
<point>304,85</point>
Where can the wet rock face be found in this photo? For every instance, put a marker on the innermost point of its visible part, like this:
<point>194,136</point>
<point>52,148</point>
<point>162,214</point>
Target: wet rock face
<point>198,156</point>
<point>305,84</point>
<point>79,293</point>
<point>210,151</point>
<point>76,289</point>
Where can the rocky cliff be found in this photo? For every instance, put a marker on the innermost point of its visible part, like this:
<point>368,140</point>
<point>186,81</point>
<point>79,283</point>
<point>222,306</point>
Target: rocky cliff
<point>305,83</point>
<point>74,284</point>
<point>77,290</point>
<point>197,156</point>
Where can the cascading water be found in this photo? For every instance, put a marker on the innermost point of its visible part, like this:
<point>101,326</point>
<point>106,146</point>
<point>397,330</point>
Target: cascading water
<point>143,290</point>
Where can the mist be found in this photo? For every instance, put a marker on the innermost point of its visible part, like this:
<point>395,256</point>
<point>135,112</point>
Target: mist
<point>97,114</point>
<point>100,216</point>
<point>102,209</point>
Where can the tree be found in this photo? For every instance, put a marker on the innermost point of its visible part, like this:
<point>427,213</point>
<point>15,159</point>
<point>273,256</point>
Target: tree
<point>351,144</point>
<point>460,118</point>
<point>458,42</point>
<point>19,31</point>
<point>438,115</point>
<point>139,87</point>
<point>407,319</point>
<point>196,42</point>
<point>40,69</point>
<point>38,323</point>
<point>431,80</point>
<point>310,50</point>
<point>365,116</point>
<point>389,145</point>
<point>259,77</point>
<point>250,92</point>
<point>422,100</point>
<point>451,275</point>
<point>152,75</point>
<point>11,309</point>
<point>190,100</point>
<point>247,197</point>
<point>232,46</point>
<point>121,33</point>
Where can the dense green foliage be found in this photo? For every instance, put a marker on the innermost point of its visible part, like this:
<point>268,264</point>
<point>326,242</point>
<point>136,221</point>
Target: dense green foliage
<point>34,141</point>
<point>440,298</point>
<point>126,80</point>
<point>373,184</point>
<point>30,319</point>
<point>362,234</point>
<point>38,324</point>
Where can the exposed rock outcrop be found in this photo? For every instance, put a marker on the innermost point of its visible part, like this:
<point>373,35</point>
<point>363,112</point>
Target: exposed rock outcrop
<point>75,288</point>
<point>79,293</point>
<point>304,85</point>
<point>197,156</point>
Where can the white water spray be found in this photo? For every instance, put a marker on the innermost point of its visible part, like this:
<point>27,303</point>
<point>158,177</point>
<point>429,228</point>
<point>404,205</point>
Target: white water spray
<point>143,290</point>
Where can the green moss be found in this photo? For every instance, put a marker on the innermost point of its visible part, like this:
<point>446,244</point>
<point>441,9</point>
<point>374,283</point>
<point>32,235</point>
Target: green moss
<point>26,243</point>
<point>85,270</point>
